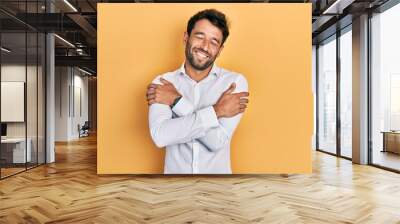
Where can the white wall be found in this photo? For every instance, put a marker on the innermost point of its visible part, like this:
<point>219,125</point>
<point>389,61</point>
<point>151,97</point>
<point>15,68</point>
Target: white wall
<point>81,84</point>
<point>33,127</point>
<point>12,73</point>
<point>71,87</point>
<point>62,78</point>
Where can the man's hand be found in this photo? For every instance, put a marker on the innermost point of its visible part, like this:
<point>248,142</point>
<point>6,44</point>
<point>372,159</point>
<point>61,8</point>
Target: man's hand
<point>164,94</point>
<point>231,104</point>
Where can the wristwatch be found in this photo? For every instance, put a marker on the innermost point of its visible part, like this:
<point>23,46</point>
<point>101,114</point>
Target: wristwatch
<point>175,101</point>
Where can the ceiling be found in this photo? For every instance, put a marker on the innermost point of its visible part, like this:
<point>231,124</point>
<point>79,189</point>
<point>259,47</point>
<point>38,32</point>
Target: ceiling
<point>76,22</point>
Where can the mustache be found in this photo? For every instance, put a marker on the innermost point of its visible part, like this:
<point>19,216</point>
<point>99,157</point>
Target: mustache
<point>202,51</point>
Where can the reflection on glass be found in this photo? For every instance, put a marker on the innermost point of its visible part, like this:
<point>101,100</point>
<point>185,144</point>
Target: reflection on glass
<point>346,94</point>
<point>327,96</point>
<point>22,90</point>
<point>386,89</point>
<point>13,86</point>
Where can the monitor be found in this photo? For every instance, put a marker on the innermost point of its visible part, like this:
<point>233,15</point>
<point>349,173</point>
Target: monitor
<point>3,129</point>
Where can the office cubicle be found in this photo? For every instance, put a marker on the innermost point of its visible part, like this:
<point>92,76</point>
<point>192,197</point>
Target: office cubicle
<point>22,94</point>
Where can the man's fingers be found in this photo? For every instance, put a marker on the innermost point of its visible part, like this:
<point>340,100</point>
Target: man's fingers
<point>230,89</point>
<point>151,96</point>
<point>151,102</point>
<point>151,90</point>
<point>243,106</point>
<point>242,94</point>
<point>244,100</point>
<point>242,110</point>
<point>152,86</point>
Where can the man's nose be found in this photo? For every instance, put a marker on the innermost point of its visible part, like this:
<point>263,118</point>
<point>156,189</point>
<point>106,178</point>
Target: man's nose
<point>205,45</point>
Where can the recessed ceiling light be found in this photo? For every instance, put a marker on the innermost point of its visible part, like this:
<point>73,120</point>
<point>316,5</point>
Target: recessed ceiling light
<point>71,6</point>
<point>84,71</point>
<point>338,6</point>
<point>64,40</point>
<point>5,50</point>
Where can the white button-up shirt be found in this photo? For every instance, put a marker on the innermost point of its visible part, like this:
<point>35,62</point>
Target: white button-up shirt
<point>196,141</point>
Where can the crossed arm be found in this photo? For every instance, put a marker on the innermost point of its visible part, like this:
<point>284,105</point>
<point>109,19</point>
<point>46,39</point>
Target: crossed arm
<point>213,126</point>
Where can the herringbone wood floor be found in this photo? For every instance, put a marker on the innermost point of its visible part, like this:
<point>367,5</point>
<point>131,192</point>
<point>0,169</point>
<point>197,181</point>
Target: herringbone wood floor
<point>69,191</point>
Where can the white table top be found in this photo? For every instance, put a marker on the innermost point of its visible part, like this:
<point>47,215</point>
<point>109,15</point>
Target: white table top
<point>13,140</point>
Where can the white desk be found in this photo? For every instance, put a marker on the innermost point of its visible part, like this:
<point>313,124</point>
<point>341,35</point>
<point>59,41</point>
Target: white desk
<point>19,149</point>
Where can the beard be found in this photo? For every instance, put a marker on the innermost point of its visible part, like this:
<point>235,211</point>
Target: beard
<point>200,66</point>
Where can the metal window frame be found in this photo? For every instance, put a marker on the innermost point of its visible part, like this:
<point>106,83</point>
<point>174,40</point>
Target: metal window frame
<point>338,34</point>
<point>387,5</point>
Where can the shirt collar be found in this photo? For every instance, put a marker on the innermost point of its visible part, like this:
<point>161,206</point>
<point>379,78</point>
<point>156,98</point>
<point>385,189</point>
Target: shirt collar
<point>214,70</point>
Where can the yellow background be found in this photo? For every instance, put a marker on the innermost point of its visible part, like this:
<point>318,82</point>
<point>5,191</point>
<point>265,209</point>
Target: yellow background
<point>269,43</point>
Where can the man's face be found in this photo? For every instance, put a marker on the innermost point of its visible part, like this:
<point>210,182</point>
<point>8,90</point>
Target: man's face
<point>203,45</point>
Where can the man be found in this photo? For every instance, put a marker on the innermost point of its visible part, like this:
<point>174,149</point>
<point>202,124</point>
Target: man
<point>195,109</point>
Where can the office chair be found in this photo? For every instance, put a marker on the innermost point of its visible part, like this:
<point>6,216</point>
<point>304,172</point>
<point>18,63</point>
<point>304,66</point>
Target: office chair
<point>84,130</point>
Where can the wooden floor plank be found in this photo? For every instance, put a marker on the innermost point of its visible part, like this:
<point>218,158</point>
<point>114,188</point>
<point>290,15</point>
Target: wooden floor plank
<point>70,191</point>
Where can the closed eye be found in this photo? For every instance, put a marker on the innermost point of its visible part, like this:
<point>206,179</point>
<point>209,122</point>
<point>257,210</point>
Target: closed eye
<point>199,35</point>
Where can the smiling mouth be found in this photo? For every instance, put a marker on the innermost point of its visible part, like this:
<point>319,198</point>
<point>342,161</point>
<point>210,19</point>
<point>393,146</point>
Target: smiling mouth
<point>201,54</point>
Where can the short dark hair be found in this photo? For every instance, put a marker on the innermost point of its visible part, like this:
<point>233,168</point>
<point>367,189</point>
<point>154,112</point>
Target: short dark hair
<point>215,17</point>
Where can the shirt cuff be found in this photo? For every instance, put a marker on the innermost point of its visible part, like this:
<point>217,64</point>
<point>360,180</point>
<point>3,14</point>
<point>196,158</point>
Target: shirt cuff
<point>208,117</point>
<point>183,107</point>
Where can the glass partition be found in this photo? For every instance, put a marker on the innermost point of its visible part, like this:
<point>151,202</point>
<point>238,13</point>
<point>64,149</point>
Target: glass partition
<point>13,98</point>
<point>22,88</point>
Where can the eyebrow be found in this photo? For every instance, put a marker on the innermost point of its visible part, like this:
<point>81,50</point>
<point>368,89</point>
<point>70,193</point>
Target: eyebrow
<point>198,32</point>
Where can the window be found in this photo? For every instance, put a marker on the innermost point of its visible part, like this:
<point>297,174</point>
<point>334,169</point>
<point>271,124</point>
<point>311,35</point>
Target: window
<point>327,95</point>
<point>385,88</point>
<point>346,93</point>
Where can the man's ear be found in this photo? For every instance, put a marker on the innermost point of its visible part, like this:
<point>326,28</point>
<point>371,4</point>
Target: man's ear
<point>220,50</point>
<point>185,37</point>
